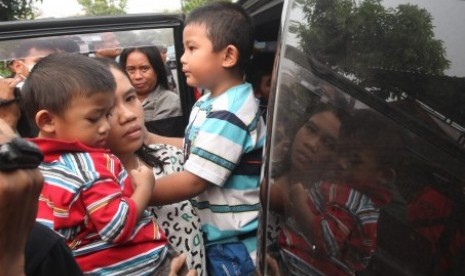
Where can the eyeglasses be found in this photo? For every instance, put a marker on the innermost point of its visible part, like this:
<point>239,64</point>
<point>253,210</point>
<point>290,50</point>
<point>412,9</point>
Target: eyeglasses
<point>143,69</point>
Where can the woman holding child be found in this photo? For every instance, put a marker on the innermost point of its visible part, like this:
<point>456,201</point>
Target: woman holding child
<point>337,188</point>
<point>179,221</point>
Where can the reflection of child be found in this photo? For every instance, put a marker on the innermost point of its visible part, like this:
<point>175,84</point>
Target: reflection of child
<point>334,225</point>
<point>87,196</point>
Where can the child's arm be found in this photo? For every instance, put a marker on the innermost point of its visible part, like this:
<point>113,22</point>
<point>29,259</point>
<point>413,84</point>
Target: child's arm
<point>299,208</point>
<point>279,194</point>
<point>143,182</point>
<point>112,208</point>
<point>177,187</point>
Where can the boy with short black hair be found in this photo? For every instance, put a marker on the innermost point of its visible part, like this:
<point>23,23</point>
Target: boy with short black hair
<point>87,195</point>
<point>224,138</point>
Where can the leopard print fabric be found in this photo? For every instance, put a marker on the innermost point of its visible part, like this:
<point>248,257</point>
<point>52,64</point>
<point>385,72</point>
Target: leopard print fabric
<point>179,220</point>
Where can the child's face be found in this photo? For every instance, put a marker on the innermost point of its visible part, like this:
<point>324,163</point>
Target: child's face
<point>359,165</point>
<point>199,63</point>
<point>126,120</point>
<point>85,120</point>
<point>265,86</point>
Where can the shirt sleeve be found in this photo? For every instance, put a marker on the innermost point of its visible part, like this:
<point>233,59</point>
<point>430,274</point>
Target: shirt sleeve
<point>218,147</point>
<point>111,211</point>
<point>345,233</point>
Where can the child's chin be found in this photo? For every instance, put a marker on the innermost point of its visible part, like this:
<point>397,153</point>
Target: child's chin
<point>191,82</point>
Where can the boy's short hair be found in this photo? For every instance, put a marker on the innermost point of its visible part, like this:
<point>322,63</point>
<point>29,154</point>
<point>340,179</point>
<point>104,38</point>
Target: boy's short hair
<point>226,24</point>
<point>57,78</point>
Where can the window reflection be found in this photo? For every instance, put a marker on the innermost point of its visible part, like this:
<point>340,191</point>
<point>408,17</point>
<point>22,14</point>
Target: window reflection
<point>367,149</point>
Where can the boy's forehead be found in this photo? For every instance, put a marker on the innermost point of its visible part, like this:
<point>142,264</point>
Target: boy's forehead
<point>197,27</point>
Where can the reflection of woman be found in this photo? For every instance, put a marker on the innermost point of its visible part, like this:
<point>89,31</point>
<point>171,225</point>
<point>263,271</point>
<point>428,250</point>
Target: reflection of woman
<point>179,221</point>
<point>312,152</point>
<point>162,107</point>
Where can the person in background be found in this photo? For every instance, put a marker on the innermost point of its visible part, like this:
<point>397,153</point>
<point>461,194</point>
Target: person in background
<point>28,53</point>
<point>169,74</point>
<point>258,73</point>
<point>162,107</point>
<point>224,138</point>
<point>10,111</point>
<point>65,44</point>
<point>110,230</point>
<point>109,46</point>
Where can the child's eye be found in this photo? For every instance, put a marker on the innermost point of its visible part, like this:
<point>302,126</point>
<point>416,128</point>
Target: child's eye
<point>92,120</point>
<point>109,112</point>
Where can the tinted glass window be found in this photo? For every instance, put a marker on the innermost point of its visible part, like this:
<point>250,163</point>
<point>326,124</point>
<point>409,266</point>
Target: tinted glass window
<point>88,44</point>
<point>365,153</point>
<point>19,56</point>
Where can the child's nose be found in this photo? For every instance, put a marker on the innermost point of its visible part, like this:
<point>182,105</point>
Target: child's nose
<point>104,127</point>
<point>183,58</point>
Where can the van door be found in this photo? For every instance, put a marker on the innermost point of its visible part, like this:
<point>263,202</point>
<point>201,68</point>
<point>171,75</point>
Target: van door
<point>365,157</point>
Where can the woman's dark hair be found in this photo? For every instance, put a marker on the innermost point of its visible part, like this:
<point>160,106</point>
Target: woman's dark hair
<point>145,153</point>
<point>153,55</point>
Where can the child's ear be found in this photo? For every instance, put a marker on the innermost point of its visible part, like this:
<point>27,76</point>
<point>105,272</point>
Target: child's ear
<point>45,121</point>
<point>231,56</point>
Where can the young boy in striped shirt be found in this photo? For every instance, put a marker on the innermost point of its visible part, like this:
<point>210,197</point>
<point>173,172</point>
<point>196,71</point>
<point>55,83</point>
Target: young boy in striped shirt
<point>223,140</point>
<point>87,195</point>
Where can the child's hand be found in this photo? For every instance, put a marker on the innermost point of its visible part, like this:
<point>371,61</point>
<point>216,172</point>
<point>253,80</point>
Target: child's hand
<point>143,178</point>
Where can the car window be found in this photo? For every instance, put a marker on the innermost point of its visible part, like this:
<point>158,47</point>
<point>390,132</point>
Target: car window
<point>97,36</point>
<point>365,147</point>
